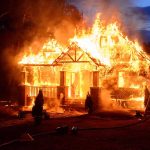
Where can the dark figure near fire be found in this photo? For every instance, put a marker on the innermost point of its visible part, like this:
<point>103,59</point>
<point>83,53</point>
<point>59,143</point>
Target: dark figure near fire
<point>147,91</point>
<point>37,109</point>
<point>147,99</point>
<point>89,104</point>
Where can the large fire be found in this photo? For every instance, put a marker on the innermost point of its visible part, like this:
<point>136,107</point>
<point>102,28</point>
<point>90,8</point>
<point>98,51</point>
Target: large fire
<point>103,42</point>
<point>116,57</point>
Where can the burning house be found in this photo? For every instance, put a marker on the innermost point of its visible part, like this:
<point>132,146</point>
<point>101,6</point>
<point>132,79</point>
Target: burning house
<point>99,60</point>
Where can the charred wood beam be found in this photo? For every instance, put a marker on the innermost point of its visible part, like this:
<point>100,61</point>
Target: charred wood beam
<point>74,62</point>
<point>71,58</point>
<point>59,57</point>
<point>75,54</point>
<point>37,86</point>
<point>94,61</point>
<point>41,64</point>
<point>80,56</point>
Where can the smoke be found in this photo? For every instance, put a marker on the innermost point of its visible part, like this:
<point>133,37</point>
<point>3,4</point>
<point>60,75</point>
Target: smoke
<point>55,106</point>
<point>23,23</point>
<point>64,31</point>
<point>111,105</point>
<point>28,20</point>
<point>108,8</point>
<point>55,18</point>
<point>111,10</point>
<point>106,101</point>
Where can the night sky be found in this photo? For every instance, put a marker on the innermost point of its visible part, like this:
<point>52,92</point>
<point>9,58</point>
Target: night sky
<point>141,18</point>
<point>141,3</point>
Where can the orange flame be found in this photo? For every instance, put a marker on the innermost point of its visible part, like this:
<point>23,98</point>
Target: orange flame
<point>48,53</point>
<point>104,42</point>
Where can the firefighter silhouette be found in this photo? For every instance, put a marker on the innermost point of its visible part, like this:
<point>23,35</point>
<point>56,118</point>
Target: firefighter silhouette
<point>37,109</point>
<point>147,92</point>
<point>147,99</point>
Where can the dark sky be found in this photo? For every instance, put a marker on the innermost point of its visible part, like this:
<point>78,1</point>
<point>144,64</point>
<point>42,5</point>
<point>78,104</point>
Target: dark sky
<point>141,3</point>
<point>122,7</point>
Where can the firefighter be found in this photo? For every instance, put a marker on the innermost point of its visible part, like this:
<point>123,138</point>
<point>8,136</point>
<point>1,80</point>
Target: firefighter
<point>147,92</point>
<point>146,96</point>
<point>37,109</point>
<point>89,104</point>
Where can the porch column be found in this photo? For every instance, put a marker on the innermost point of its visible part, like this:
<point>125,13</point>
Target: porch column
<point>62,78</point>
<point>95,78</point>
<point>95,92</point>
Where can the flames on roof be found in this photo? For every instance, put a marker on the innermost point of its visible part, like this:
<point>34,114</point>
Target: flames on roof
<point>105,44</point>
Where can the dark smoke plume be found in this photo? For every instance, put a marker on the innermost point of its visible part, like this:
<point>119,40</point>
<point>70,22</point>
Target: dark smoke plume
<point>111,10</point>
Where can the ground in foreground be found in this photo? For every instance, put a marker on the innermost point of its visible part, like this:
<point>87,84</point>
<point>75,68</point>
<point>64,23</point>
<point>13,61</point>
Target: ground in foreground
<point>105,131</point>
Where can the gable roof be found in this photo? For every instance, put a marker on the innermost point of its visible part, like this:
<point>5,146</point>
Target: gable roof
<point>75,55</point>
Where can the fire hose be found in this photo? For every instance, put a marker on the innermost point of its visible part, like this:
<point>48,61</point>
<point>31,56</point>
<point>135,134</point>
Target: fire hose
<point>74,130</point>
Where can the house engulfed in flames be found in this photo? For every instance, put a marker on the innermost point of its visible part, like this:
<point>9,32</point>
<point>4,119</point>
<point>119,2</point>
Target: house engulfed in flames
<point>96,59</point>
